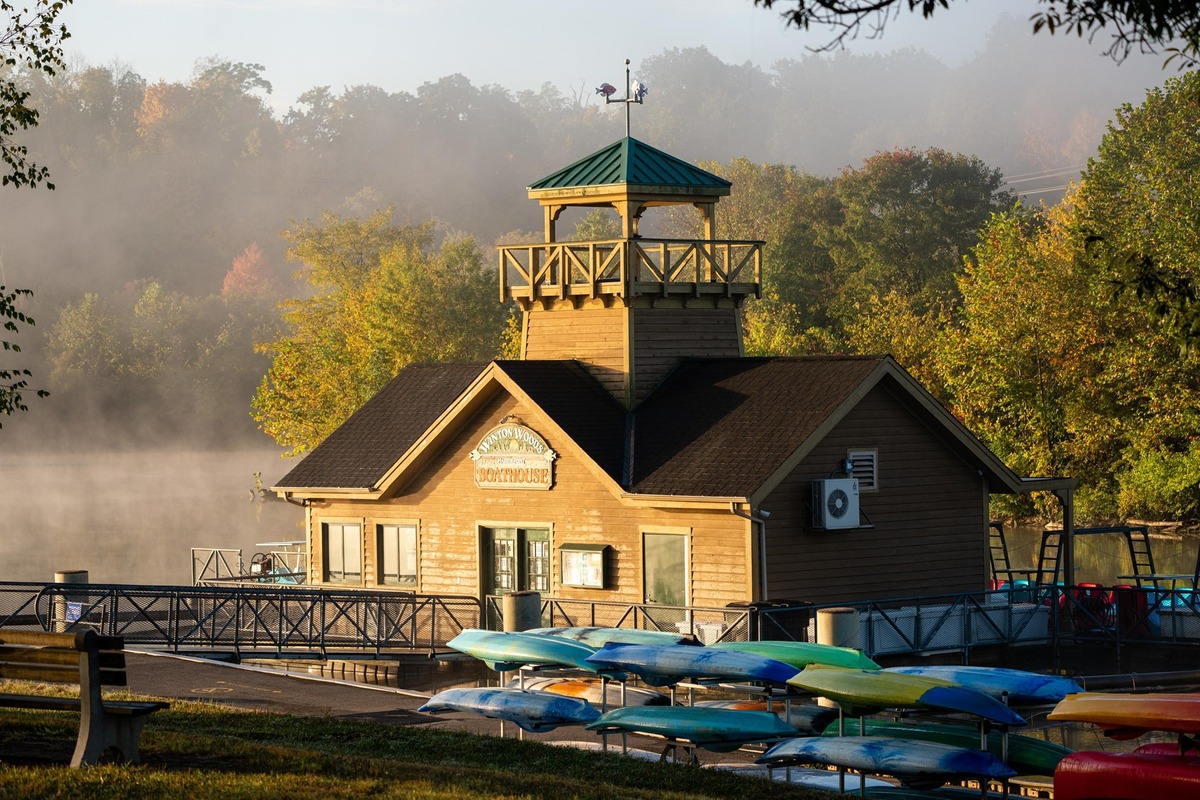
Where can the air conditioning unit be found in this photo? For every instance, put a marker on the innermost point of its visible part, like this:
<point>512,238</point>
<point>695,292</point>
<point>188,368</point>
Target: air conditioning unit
<point>835,503</point>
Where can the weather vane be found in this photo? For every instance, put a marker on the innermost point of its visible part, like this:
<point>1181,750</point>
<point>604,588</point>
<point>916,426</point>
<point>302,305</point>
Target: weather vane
<point>635,92</point>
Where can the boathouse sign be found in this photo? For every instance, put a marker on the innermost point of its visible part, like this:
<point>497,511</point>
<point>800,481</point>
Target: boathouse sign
<point>512,456</point>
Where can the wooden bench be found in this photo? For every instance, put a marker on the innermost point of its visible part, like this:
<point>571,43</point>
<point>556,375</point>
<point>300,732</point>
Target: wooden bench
<point>107,727</point>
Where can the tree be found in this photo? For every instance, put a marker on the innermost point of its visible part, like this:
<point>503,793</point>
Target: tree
<point>1145,25</point>
<point>32,41</point>
<point>382,298</point>
<point>1139,205</point>
<point>1060,377</point>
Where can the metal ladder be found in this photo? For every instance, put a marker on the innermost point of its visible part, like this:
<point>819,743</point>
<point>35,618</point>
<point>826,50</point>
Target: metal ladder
<point>1139,551</point>
<point>1048,557</point>
<point>998,551</point>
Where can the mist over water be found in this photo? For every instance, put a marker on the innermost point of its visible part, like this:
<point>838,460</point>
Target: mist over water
<point>132,517</point>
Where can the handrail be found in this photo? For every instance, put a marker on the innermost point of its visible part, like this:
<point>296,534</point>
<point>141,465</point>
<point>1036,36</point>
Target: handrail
<point>245,617</point>
<point>625,267</point>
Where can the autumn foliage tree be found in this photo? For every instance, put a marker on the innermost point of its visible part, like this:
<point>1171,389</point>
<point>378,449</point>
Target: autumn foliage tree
<point>382,297</point>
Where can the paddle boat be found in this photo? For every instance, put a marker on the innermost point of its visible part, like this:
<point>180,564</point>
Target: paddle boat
<point>925,764</point>
<point>1021,687</point>
<point>535,712</point>
<point>863,692</point>
<point>717,729</point>
<point>667,665</point>
<point>801,654</point>
<point>508,651</point>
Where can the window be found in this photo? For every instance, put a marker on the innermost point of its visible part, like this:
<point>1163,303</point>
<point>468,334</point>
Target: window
<point>343,552</point>
<point>865,467</point>
<point>398,555</point>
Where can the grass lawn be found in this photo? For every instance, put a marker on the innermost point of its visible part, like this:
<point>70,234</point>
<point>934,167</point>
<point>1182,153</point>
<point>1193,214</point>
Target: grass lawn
<point>199,751</point>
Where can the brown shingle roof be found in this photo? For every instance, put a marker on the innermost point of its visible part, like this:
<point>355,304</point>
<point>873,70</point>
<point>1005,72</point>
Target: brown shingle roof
<point>364,447</point>
<point>576,401</point>
<point>721,427</point>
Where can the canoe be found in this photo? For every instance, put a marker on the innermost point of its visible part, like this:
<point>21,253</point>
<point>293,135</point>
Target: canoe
<point>508,651</point>
<point>667,665</point>
<point>862,692</point>
<point>801,654</point>
<point>1026,754</point>
<point>598,637</point>
<point>532,711</point>
<point>806,718</point>
<point>1023,688</point>
<point>1124,716</point>
<point>925,762</point>
<point>716,729</point>
<point>1126,776</point>
<point>799,776</point>
<point>593,690</point>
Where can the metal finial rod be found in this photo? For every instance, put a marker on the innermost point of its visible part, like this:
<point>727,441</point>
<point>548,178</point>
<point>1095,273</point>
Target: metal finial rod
<point>628,80</point>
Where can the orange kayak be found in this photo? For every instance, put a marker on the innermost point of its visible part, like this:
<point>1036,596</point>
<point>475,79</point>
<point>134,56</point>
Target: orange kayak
<point>1129,715</point>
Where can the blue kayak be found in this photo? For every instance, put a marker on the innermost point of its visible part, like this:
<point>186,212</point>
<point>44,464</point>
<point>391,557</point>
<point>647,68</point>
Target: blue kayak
<point>532,711</point>
<point>1022,688</point>
<point>598,637</point>
<point>508,651</point>
<point>907,760</point>
<point>667,665</point>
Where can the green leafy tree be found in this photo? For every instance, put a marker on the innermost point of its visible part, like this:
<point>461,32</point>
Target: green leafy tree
<point>908,218</point>
<point>1139,204</point>
<point>30,42</point>
<point>382,297</point>
<point>1060,377</point>
<point>1144,25</point>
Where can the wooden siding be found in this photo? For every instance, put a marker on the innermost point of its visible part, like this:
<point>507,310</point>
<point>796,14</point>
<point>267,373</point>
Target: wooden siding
<point>593,335</point>
<point>664,336</point>
<point>450,509</point>
<point>929,516</point>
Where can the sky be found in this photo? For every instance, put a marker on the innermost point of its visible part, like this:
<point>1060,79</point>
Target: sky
<point>518,44</point>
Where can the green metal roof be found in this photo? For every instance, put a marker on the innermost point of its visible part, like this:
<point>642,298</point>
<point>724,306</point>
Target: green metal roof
<point>633,163</point>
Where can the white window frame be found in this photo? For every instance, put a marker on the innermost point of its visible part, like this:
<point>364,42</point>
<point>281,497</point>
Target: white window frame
<point>406,551</point>
<point>868,478</point>
<point>343,557</point>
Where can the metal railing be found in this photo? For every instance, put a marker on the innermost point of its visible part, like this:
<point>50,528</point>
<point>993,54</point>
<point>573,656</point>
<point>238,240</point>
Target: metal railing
<point>707,625</point>
<point>625,267</point>
<point>263,619</point>
<point>278,619</point>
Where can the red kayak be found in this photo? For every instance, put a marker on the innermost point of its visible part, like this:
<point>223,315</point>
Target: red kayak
<point>1126,776</point>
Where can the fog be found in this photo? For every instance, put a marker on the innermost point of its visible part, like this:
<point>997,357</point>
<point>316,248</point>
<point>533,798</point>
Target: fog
<point>133,517</point>
<point>168,183</point>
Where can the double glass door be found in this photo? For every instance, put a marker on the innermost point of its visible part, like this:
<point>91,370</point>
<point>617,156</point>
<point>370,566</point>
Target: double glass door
<point>518,559</point>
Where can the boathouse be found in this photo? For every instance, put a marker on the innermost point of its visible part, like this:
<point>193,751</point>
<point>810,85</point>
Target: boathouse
<point>634,453</point>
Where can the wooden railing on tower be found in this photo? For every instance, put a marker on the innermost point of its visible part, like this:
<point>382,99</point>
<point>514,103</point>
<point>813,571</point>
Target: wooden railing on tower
<point>629,267</point>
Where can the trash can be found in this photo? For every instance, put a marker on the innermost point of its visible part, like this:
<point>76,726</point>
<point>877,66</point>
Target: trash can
<point>787,620</point>
<point>839,627</point>
<point>522,611</point>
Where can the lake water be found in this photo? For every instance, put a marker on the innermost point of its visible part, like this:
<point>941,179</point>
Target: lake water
<point>133,517</point>
<point>1101,557</point>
